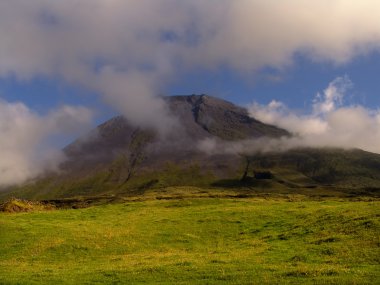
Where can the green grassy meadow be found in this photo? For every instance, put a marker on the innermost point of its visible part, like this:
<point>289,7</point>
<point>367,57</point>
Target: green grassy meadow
<point>195,241</point>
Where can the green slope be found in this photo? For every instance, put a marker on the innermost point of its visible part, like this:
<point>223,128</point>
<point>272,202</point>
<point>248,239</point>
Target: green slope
<point>312,172</point>
<point>198,241</point>
<point>344,168</point>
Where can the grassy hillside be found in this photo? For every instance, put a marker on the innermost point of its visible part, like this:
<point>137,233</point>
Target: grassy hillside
<point>105,183</point>
<point>332,172</point>
<point>346,168</point>
<point>195,241</point>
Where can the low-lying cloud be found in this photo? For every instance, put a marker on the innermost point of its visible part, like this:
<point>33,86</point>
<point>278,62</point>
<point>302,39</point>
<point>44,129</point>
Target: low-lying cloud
<point>331,122</point>
<point>24,150</point>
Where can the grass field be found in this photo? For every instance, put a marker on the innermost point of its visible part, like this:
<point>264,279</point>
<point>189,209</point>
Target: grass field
<point>195,241</point>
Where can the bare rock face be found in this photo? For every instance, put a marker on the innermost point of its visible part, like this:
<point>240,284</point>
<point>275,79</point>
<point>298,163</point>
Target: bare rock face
<point>220,118</point>
<point>200,117</point>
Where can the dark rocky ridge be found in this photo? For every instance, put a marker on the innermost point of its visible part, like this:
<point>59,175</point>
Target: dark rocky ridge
<point>200,117</point>
<point>220,118</point>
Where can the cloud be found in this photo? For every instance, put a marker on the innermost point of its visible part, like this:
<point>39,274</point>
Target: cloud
<point>129,51</point>
<point>141,46</point>
<point>332,96</point>
<point>330,124</point>
<point>24,149</point>
<point>250,34</point>
<point>144,111</point>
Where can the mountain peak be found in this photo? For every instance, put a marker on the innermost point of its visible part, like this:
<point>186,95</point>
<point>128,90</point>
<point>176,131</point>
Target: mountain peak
<point>220,118</point>
<point>199,116</point>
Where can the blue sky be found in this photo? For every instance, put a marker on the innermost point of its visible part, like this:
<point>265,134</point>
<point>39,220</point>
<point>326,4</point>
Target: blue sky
<point>43,94</point>
<point>66,66</point>
<point>296,87</point>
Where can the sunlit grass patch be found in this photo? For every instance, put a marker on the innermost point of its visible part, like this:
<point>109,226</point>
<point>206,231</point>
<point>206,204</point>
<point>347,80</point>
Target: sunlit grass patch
<point>199,241</point>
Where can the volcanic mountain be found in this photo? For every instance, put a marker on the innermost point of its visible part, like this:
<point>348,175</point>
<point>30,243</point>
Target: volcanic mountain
<point>118,157</point>
<point>200,117</point>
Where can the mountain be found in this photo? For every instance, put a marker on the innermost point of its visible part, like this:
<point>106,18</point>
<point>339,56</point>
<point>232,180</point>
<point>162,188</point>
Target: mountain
<point>117,144</point>
<point>119,158</point>
<point>199,116</point>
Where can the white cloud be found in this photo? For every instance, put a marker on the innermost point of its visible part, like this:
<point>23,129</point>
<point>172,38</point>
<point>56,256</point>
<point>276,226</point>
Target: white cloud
<point>24,151</point>
<point>148,43</point>
<point>330,124</point>
<point>332,96</point>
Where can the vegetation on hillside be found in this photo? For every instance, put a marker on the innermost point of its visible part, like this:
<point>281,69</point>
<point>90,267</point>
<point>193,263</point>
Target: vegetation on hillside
<point>346,168</point>
<point>331,172</point>
<point>195,241</point>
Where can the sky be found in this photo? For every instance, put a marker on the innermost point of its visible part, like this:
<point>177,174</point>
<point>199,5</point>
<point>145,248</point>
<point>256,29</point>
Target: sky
<point>311,67</point>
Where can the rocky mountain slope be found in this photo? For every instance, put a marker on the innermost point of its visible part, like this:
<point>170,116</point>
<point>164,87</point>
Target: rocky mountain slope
<point>118,157</point>
<point>199,116</point>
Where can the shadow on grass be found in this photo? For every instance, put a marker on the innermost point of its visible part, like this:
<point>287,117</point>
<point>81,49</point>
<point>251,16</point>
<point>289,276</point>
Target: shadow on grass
<point>248,182</point>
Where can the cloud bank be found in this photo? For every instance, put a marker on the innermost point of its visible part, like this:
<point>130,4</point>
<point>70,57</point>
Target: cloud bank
<point>129,51</point>
<point>24,134</point>
<point>330,124</point>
